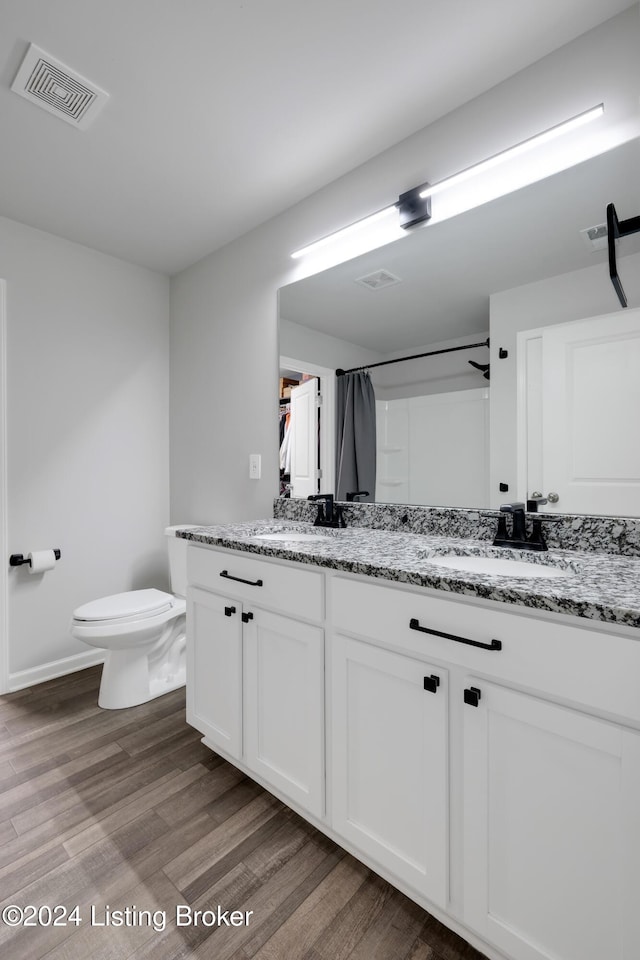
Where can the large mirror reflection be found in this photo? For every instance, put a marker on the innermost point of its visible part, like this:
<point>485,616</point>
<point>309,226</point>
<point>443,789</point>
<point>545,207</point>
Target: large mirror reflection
<point>475,426</point>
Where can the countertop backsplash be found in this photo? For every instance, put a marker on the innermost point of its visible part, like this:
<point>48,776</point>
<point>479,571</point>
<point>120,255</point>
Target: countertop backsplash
<point>615,535</point>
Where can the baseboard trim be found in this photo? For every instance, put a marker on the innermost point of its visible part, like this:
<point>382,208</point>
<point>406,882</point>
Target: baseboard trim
<point>56,668</point>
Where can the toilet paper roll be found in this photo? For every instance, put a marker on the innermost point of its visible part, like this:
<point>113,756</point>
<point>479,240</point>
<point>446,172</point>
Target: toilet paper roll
<point>41,560</point>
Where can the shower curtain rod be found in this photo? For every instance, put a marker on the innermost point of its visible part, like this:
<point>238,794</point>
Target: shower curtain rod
<point>416,356</point>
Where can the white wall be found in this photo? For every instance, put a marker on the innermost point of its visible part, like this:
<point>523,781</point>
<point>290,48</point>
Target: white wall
<point>224,310</point>
<point>302,342</point>
<point>88,451</point>
<point>570,296</point>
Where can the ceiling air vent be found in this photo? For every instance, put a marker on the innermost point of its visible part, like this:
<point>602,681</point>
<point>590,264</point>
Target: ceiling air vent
<point>595,237</point>
<point>51,85</point>
<point>378,280</point>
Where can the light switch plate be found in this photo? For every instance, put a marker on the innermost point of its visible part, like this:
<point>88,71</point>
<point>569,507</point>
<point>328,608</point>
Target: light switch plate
<point>255,466</point>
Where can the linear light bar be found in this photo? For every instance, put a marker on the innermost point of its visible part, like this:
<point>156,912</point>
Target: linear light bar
<point>347,231</point>
<point>522,147</point>
<point>392,230</point>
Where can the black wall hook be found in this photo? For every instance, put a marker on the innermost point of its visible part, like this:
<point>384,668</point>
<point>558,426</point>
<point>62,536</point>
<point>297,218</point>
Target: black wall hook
<point>483,367</point>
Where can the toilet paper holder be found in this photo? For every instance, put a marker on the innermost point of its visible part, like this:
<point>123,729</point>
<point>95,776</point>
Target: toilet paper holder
<point>17,559</point>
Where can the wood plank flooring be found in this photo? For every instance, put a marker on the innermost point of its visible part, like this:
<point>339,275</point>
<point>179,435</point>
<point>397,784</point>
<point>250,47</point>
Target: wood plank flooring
<point>126,812</point>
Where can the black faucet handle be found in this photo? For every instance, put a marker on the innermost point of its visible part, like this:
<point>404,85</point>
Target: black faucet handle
<point>534,502</point>
<point>338,516</point>
<point>325,508</point>
<point>518,534</point>
<point>536,540</point>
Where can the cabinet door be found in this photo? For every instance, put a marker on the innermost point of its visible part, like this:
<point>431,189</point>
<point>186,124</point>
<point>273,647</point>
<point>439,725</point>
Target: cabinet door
<point>552,831</point>
<point>390,770</point>
<point>284,705</point>
<point>214,669</point>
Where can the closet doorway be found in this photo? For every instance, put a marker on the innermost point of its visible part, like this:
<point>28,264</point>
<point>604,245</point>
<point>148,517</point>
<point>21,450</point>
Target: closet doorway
<point>307,428</point>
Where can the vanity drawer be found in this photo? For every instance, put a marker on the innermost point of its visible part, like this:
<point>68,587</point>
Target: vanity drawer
<point>286,589</point>
<point>577,664</point>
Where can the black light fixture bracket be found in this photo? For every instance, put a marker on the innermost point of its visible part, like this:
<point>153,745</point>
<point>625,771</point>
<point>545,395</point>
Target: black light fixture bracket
<point>616,229</point>
<point>412,208</point>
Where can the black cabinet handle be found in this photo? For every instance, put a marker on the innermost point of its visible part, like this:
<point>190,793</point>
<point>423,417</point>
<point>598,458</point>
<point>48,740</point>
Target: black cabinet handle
<point>472,695</point>
<point>252,583</point>
<point>228,611</point>
<point>494,645</point>
<point>432,683</point>
<point>246,617</point>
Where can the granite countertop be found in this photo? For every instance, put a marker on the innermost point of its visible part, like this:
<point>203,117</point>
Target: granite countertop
<point>597,586</point>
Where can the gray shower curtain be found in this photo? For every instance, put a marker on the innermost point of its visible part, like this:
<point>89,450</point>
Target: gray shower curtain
<point>356,435</point>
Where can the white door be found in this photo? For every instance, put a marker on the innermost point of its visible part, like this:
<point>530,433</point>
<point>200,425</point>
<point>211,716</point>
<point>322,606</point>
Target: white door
<point>284,705</point>
<point>390,768</point>
<point>214,669</point>
<point>304,438</point>
<point>591,411</point>
<point>551,829</point>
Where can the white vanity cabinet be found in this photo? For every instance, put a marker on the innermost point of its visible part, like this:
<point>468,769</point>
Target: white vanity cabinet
<point>551,833</point>
<point>481,756</point>
<point>540,762</point>
<point>214,669</point>
<point>255,676</point>
<point>390,761</point>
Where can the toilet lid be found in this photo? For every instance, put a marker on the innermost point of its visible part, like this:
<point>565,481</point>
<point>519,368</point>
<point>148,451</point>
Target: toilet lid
<point>135,603</point>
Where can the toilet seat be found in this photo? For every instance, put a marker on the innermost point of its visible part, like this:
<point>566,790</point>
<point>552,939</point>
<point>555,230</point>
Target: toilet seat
<point>123,608</point>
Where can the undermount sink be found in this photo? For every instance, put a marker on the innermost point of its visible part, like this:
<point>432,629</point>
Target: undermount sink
<point>501,566</point>
<point>290,535</point>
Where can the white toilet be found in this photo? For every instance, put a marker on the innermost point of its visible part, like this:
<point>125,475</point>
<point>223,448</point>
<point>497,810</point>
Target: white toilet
<point>143,632</point>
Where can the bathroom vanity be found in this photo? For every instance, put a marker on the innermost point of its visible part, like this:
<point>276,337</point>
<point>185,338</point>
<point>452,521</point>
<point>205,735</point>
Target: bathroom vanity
<point>473,737</point>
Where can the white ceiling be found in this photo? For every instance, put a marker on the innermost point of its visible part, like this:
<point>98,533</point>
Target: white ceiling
<point>223,113</point>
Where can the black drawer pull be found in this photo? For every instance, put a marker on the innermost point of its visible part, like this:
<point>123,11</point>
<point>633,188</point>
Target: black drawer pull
<point>494,645</point>
<point>246,617</point>
<point>228,611</point>
<point>252,583</point>
<point>432,683</point>
<point>472,696</point>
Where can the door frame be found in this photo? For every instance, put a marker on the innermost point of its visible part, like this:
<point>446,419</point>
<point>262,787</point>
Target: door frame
<point>327,378</point>
<point>4,578</point>
<point>526,381</point>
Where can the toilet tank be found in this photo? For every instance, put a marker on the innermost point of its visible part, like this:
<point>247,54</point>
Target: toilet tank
<point>177,548</point>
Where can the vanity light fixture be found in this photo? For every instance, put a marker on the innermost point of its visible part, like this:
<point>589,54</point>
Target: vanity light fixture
<point>387,213</point>
<point>414,206</point>
<point>545,137</point>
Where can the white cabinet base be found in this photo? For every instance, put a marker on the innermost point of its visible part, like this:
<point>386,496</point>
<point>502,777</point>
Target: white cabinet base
<point>551,829</point>
<point>390,761</point>
<point>284,706</point>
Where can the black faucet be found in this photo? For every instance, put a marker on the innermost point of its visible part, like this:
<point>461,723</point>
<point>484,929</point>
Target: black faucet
<point>329,513</point>
<point>518,537</point>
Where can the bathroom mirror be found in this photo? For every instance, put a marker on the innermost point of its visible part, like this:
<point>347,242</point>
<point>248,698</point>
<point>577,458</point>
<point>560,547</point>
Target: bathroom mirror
<point>431,290</point>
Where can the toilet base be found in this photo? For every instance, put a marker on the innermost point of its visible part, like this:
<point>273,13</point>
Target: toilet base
<point>133,676</point>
